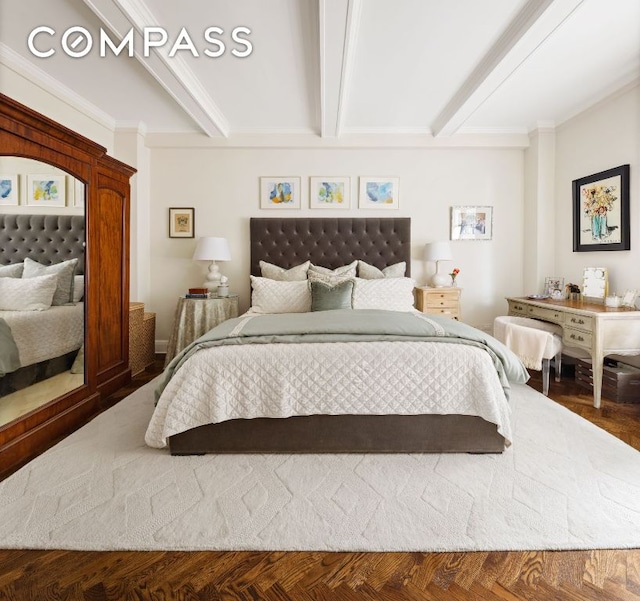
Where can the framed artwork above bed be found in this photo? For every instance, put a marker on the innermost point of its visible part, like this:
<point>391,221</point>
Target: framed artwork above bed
<point>46,190</point>
<point>8,189</point>
<point>379,192</point>
<point>280,192</point>
<point>329,192</point>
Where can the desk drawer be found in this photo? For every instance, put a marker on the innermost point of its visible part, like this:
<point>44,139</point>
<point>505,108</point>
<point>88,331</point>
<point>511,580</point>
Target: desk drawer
<point>517,308</point>
<point>546,314</point>
<point>575,337</point>
<point>580,322</point>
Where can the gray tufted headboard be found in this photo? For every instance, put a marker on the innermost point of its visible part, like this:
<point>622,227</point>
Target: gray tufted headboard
<point>330,242</point>
<point>47,239</point>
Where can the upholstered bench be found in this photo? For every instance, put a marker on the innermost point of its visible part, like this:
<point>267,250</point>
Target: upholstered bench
<point>535,342</point>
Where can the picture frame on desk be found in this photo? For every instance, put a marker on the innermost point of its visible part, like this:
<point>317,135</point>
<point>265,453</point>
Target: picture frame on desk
<point>629,299</point>
<point>601,211</point>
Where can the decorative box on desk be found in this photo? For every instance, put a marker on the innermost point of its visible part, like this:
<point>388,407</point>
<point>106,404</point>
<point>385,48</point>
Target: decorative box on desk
<point>142,335</point>
<point>620,382</point>
<point>439,301</point>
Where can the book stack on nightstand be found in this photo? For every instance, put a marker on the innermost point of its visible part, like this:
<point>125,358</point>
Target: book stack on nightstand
<point>439,301</point>
<point>197,293</point>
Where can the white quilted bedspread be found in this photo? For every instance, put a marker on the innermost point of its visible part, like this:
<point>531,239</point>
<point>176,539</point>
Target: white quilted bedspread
<point>41,335</point>
<point>282,380</point>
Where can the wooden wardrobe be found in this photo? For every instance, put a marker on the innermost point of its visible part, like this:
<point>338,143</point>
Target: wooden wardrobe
<point>26,133</point>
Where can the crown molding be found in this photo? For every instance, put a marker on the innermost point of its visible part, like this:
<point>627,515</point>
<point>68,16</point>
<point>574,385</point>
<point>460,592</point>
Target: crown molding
<point>26,69</point>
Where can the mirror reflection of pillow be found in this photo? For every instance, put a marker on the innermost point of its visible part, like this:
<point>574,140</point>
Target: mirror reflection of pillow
<point>30,294</point>
<point>65,272</point>
<point>11,271</point>
<point>78,288</point>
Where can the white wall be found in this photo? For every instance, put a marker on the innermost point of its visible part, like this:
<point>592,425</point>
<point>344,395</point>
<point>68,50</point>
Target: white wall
<point>605,136</point>
<point>222,184</point>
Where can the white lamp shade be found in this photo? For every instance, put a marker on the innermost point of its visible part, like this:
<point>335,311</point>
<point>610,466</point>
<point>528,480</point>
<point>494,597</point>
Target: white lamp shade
<point>438,251</point>
<point>212,249</point>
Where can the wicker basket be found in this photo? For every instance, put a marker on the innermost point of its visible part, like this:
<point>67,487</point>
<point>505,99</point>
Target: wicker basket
<point>142,333</point>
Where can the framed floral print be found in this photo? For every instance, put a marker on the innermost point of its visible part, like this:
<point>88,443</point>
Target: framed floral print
<point>601,211</point>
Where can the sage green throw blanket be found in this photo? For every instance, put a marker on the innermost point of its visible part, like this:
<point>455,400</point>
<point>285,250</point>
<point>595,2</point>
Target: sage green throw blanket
<point>347,325</point>
<point>9,355</point>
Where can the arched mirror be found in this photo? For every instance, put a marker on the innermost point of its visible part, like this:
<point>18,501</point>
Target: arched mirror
<point>42,327</point>
<point>40,158</point>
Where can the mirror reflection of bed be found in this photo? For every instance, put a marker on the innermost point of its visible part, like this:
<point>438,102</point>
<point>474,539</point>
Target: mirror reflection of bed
<point>42,251</point>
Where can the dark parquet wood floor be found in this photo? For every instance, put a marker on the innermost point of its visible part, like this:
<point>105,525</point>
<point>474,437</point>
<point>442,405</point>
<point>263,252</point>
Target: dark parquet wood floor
<point>603,575</point>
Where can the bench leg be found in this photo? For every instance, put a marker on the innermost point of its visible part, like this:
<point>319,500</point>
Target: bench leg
<point>545,376</point>
<point>558,366</point>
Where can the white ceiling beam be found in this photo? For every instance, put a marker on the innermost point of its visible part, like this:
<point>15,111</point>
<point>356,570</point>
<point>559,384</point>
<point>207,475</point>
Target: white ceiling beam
<point>537,20</point>
<point>339,25</point>
<point>173,74</point>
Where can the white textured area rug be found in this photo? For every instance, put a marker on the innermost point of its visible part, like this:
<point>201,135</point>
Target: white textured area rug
<point>564,484</point>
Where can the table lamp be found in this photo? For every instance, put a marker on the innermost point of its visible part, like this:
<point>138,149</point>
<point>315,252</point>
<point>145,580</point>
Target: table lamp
<point>436,252</point>
<point>212,249</point>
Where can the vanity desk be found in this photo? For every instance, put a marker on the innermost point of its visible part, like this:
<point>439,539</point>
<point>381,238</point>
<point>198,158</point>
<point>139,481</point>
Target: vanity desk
<point>590,326</point>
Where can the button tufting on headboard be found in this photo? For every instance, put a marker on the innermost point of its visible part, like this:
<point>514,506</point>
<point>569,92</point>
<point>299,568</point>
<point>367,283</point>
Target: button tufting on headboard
<point>330,242</point>
<point>47,239</point>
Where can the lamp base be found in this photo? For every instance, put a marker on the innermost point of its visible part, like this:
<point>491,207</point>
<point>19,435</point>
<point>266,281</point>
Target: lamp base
<point>440,280</point>
<point>213,277</point>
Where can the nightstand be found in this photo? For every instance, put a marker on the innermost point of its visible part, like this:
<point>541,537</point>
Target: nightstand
<point>439,301</point>
<point>196,316</point>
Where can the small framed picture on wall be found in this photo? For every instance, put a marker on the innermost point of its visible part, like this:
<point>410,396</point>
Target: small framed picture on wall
<point>329,192</point>
<point>280,192</point>
<point>46,190</point>
<point>379,193</point>
<point>181,222</point>
<point>8,189</point>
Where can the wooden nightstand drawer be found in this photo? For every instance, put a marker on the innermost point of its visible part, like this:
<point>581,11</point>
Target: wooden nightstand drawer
<point>444,311</point>
<point>439,301</point>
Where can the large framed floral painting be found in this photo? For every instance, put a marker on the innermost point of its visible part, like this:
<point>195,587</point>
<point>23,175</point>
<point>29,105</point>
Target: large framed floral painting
<point>601,211</point>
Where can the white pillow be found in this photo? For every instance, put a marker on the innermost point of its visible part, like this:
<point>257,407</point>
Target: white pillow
<point>11,271</point>
<point>78,288</point>
<point>273,296</point>
<point>390,294</point>
<point>331,277</point>
<point>370,272</point>
<point>30,294</point>
<point>65,272</point>
<point>273,272</point>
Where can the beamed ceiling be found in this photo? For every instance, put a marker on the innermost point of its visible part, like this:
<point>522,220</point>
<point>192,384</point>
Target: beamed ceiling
<point>329,68</point>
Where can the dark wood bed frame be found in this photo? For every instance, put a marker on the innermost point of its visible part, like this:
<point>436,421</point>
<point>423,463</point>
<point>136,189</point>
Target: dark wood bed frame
<point>331,242</point>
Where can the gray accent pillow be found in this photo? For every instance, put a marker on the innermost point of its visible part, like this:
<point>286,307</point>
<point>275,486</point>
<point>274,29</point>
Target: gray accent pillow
<point>65,272</point>
<point>369,272</point>
<point>11,271</point>
<point>273,272</point>
<point>325,297</point>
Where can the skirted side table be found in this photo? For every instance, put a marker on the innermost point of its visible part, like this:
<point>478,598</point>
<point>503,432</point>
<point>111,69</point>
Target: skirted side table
<point>196,316</point>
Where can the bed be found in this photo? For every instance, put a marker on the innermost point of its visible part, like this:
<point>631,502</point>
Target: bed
<point>346,389</point>
<point>37,344</point>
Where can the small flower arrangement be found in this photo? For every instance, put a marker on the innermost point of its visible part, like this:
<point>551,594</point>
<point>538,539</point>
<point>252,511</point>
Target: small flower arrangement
<point>454,274</point>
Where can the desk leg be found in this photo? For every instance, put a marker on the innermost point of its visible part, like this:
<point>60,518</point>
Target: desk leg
<point>597,362</point>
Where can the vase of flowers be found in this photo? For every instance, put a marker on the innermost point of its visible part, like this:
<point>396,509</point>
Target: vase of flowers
<point>454,275</point>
